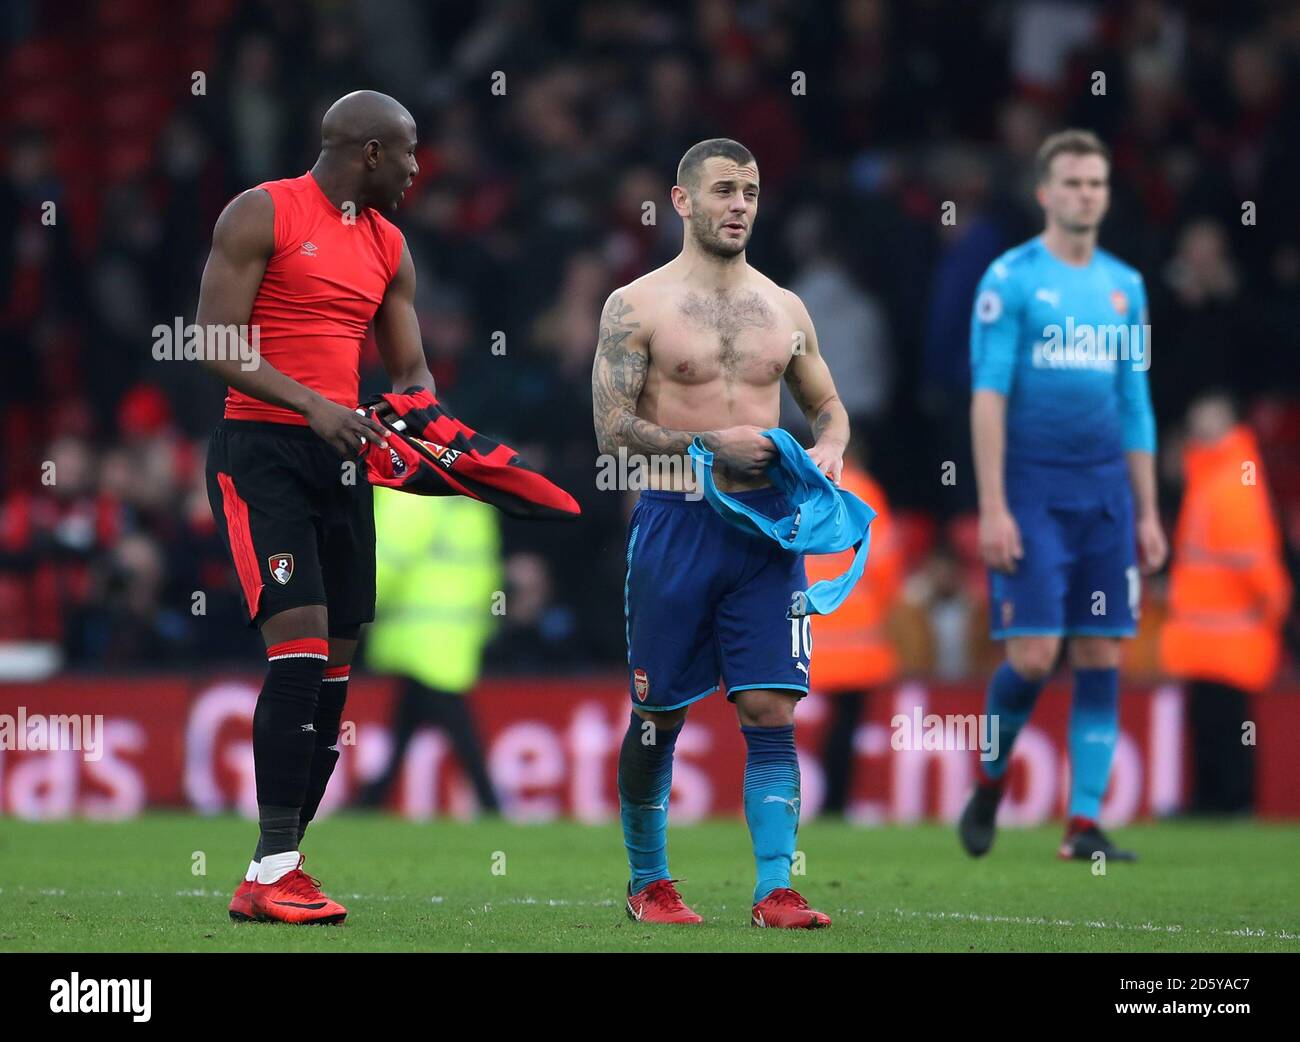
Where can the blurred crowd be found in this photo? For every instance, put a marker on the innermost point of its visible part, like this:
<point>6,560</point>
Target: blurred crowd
<point>545,130</point>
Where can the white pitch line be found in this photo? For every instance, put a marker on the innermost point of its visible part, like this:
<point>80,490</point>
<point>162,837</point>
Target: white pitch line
<point>1095,924</point>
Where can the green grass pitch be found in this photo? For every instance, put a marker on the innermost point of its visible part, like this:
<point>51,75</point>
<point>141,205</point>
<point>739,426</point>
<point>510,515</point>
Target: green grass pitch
<point>493,886</point>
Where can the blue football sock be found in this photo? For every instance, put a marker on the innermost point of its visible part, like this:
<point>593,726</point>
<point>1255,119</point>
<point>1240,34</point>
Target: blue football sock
<point>771,803</point>
<point>1009,701</point>
<point>1094,726</point>
<point>645,777</point>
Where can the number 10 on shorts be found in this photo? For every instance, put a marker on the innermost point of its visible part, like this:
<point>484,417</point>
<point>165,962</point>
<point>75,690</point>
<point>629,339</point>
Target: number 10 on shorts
<point>795,630</point>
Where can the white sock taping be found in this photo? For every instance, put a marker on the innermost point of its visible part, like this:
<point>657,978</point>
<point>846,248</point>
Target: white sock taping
<point>274,866</point>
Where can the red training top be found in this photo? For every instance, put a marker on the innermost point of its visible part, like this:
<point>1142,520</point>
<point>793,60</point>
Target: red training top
<point>322,286</point>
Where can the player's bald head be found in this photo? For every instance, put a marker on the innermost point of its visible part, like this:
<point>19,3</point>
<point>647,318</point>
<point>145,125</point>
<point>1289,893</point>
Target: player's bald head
<point>365,115</point>
<point>367,151</point>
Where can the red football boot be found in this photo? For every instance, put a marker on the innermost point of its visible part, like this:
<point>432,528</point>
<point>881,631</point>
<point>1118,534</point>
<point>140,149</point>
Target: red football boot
<point>786,909</point>
<point>659,903</point>
<point>241,905</point>
<point>295,898</point>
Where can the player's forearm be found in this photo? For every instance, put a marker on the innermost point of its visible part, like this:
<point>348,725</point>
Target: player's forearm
<point>623,429</point>
<point>416,375</point>
<point>830,424</point>
<point>1142,477</point>
<point>266,384</point>
<point>988,414</point>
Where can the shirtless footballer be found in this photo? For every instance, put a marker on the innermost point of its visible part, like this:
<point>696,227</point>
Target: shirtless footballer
<point>698,348</point>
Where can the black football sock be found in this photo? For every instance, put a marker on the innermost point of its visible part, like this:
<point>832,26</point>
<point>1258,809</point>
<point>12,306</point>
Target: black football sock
<point>329,711</point>
<point>284,739</point>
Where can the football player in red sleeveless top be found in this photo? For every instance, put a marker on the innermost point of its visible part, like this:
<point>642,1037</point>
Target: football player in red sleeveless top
<point>302,267</point>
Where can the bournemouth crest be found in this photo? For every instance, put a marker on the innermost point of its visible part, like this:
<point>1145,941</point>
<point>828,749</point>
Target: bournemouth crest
<point>281,566</point>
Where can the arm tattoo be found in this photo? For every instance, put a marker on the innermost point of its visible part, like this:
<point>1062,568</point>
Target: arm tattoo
<point>617,378</point>
<point>824,414</point>
<point>821,423</point>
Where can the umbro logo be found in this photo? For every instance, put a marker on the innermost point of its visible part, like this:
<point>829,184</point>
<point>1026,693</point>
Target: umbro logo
<point>309,248</point>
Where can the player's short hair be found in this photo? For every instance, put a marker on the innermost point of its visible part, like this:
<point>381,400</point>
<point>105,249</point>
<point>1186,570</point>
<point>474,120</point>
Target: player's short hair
<point>1068,142</point>
<point>688,170</point>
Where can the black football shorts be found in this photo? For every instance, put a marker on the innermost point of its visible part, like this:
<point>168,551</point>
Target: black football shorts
<point>298,521</point>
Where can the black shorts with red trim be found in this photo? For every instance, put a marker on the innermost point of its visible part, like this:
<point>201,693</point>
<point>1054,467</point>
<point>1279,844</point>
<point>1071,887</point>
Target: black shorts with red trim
<point>298,521</point>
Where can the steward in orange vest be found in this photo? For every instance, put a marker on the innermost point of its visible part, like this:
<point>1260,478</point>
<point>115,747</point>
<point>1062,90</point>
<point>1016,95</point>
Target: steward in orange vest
<point>1229,592</point>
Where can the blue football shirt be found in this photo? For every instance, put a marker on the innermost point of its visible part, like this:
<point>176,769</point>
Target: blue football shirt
<point>1069,346</point>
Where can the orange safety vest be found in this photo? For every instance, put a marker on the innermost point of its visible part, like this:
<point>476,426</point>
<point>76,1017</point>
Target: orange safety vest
<point>1229,591</point>
<point>851,647</point>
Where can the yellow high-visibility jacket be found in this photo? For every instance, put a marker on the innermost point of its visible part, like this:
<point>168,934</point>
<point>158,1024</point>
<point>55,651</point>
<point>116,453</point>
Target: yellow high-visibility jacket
<point>438,573</point>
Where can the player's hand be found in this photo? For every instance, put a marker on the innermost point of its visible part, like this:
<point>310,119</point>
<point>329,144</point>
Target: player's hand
<point>743,451</point>
<point>346,431</point>
<point>1000,540</point>
<point>1152,547</point>
<point>829,458</point>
